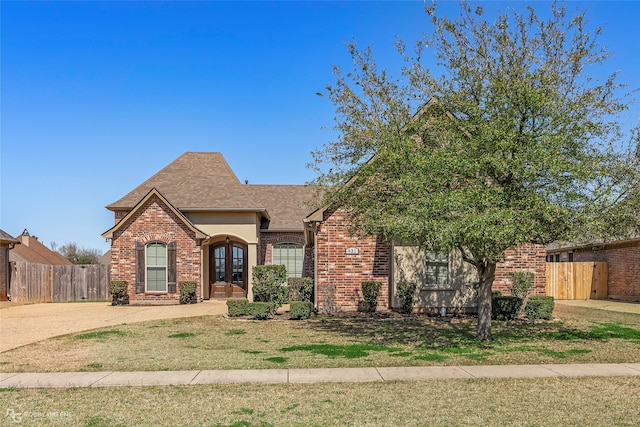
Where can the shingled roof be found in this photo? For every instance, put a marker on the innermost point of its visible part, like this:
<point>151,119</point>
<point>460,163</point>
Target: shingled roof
<point>31,250</point>
<point>7,238</point>
<point>287,204</point>
<point>194,181</point>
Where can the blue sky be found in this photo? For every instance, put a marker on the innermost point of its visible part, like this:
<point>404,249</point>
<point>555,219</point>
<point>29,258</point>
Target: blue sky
<point>98,96</point>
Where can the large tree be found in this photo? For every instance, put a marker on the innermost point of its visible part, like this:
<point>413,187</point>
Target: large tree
<point>513,141</point>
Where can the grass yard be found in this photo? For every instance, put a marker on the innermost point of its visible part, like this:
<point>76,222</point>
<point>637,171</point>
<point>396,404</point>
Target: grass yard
<point>578,335</point>
<point>480,402</point>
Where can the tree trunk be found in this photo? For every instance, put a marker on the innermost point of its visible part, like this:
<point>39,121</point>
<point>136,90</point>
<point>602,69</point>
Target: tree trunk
<point>486,273</point>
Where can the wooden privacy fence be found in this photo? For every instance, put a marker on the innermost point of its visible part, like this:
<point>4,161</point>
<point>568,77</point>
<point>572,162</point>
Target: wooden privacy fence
<point>59,283</point>
<point>577,280</point>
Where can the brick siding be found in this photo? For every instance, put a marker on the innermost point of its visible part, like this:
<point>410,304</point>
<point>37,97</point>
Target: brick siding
<point>269,239</point>
<point>524,258</point>
<point>623,266</point>
<point>155,222</point>
<point>340,276</point>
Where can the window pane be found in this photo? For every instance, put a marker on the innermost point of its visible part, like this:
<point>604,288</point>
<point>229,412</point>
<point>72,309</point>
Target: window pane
<point>437,269</point>
<point>291,256</point>
<point>156,267</point>
<point>219,255</point>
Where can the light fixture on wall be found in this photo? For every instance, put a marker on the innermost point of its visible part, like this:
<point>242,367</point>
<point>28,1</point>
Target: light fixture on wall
<point>228,240</point>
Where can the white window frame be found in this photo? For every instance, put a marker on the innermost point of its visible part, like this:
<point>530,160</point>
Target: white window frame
<point>156,267</point>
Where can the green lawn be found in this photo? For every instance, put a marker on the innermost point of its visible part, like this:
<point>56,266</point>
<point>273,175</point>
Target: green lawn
<point>577,335</point>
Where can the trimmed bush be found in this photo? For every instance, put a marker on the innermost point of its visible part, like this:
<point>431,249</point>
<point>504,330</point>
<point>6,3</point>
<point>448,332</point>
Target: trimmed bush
<point>539,307</point>
<point>370,291</point>
<point>300,289</point>
<point>188,292</point>
<point>406,295</point>
<point>496,294</point>
<point>521,283</point>
<point>505,307</point>
<point>300,310</point>
<point>118,291</point>
<point>237,307</point>
<point>261,310</point>
<point>268,284</point>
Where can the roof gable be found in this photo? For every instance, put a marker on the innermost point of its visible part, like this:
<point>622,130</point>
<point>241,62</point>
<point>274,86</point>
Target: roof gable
<point>153,193</point>
<point>193,181</point>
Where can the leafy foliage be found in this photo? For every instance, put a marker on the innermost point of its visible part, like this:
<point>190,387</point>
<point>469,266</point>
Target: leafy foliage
<point>300,310</point>
<point>300,288</point>
<point>505,307</point>
<point>237,306</point>
<point>514,143</point>
<point>539,307</point>
<point>370,291</point>
<point>261,310</point>
<point>118,291</point>
<point>78,255</point>
<point>188,292</point>
<point>269,284</point>
<point>406,295</point>
<point>521,283</point>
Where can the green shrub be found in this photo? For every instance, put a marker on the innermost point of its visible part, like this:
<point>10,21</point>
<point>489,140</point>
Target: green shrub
<point>300,310</point>
<point>261,310</point>
<point>406,295</point>
<point>268,284</point>
<point>505,307</point>
<point>300,289</point>
<point>118,291</point>
<point>237,306</point>
<point>496,294</point>
<point>539,307</point>
<point>370,291</point>
<point>521,283</point>
<point>188,292</point>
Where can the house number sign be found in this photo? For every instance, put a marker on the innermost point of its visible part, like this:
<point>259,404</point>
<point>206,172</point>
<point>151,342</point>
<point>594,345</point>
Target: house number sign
<point>352,251</point>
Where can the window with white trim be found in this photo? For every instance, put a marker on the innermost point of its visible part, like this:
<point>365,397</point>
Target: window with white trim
<point>156,266</point>
<point>291,255</point>
<point>436,269</point>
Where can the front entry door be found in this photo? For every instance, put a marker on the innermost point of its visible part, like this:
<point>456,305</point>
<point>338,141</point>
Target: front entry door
<point>228,268</point>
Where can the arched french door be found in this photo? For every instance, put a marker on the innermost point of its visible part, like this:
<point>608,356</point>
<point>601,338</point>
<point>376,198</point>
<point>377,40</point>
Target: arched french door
<point>228,270</point>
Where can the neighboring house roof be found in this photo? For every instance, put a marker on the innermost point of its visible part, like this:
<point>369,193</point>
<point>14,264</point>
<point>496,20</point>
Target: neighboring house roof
<point>105,258</point>
<point>287,205</point>
<point>194,181</point>
<point>31,250</point>
<point>6,238</point>
<point>154,193</point>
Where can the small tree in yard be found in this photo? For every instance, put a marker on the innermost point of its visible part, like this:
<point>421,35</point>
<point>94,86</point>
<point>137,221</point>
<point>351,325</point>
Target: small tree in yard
<point>269,284</point>
<point>78,255</point>
<point>515,143</point>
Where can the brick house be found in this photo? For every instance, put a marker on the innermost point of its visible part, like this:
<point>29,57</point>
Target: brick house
<point>195,221</point>
<point>623,264</point>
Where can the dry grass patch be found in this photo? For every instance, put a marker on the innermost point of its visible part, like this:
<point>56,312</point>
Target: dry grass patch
<point>579,335</point>
<point>495,402</point>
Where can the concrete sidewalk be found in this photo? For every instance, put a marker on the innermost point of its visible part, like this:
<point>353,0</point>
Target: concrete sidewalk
<point>297,376</point>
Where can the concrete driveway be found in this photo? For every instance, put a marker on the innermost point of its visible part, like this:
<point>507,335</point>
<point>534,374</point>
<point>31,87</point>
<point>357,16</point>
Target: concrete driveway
<point>26,324</point>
